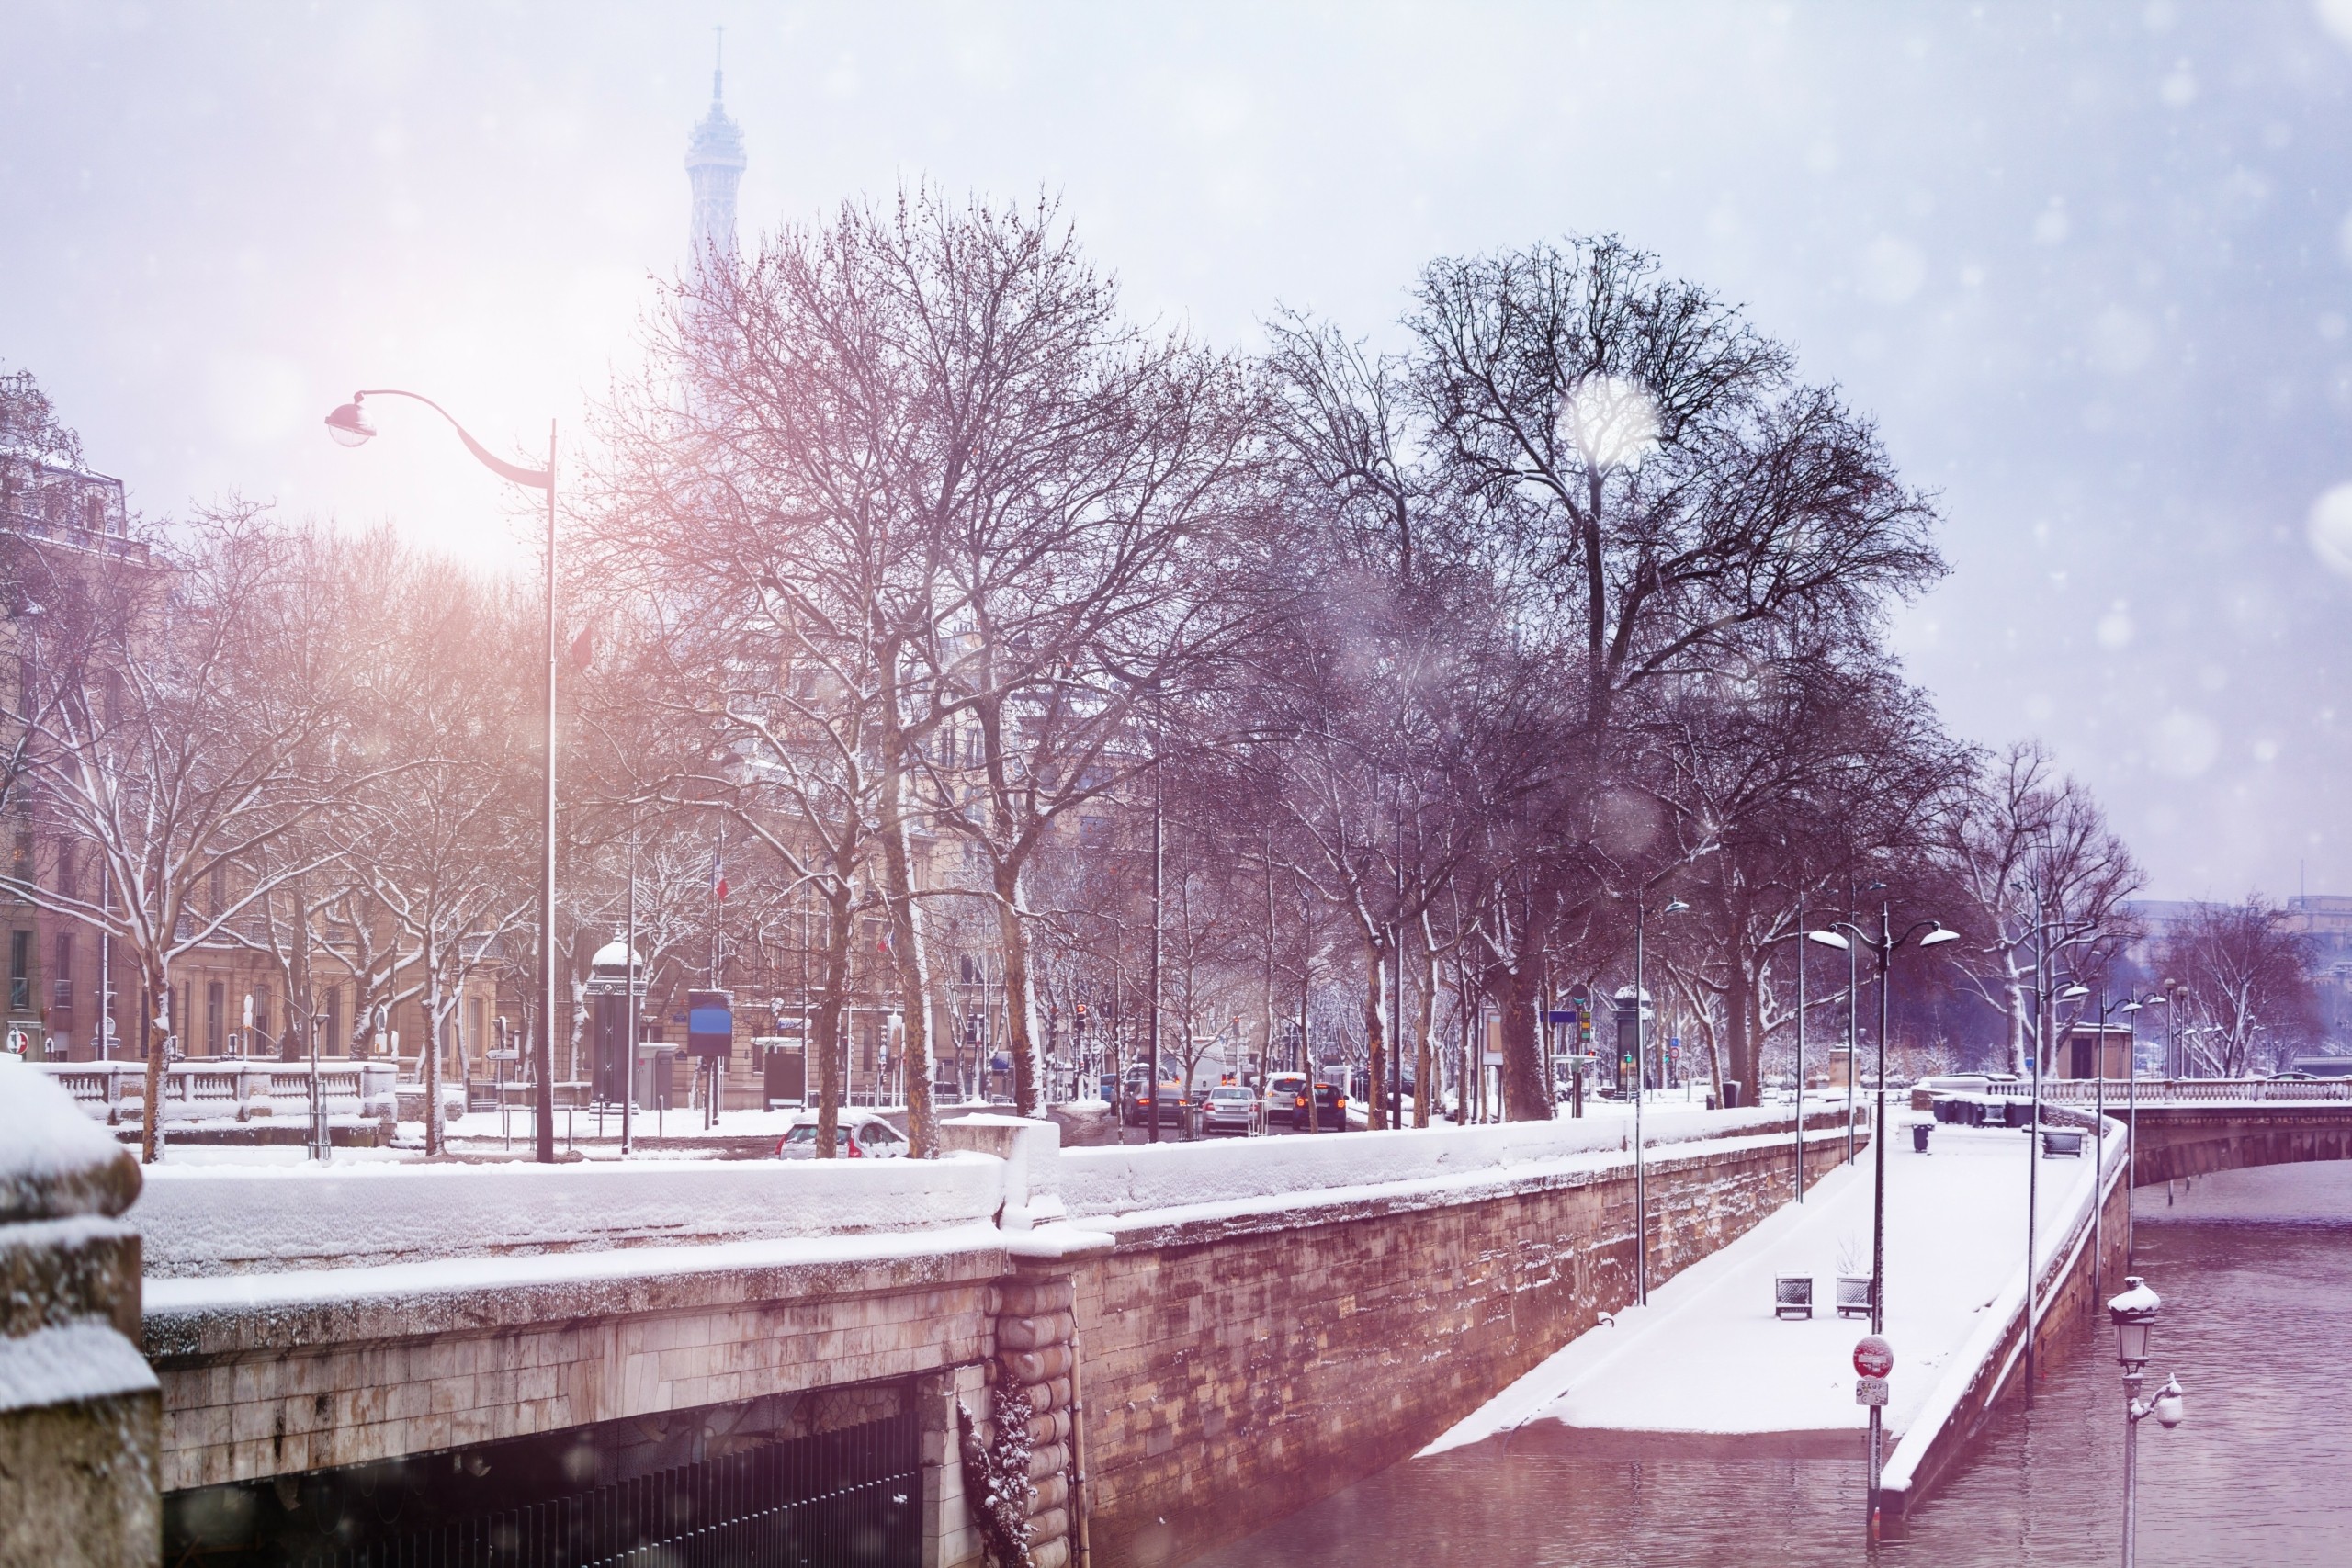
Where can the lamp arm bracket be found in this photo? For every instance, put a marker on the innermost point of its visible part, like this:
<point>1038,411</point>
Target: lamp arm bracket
<point>534,478</point>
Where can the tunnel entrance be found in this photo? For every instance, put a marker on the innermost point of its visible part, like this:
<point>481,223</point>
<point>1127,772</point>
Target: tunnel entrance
<point>829,1477</point>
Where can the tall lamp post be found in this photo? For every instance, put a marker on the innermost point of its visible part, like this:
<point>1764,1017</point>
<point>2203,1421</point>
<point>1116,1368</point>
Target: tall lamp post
<point>1798,936</point>
<point>1924,933</point>
<point>349,426</point>
<point>1641,1084</point>
<point>2098,1114</point>
<point>2134,1316</point>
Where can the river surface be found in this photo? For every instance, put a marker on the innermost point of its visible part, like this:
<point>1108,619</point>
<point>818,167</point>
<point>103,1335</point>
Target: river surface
<point>2256,1269</point>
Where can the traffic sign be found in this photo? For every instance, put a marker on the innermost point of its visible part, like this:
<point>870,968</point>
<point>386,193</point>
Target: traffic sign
<point>1869,1391</point>
<point>1873,1357</point>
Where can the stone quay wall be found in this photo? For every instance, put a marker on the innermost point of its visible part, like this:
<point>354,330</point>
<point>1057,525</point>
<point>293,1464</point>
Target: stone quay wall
<point>1242,1363</point>
<point>79,1414</point>
<point>1187,1370</point>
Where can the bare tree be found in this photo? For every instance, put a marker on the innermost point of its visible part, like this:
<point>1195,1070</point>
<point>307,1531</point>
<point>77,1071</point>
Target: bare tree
<point>1653,474</point>
<point>174,721</point>
<point>2031,854</point>
<point>2250,1001</point>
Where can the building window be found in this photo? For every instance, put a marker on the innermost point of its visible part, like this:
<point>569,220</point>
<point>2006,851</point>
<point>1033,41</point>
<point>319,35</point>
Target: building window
<point>20,857</point>
<point>20,971</point>
<point>65,868</point>
<point>216,1005</point>
<point>61,971</point>
<point>94,513</point>
<point>336,1042</point>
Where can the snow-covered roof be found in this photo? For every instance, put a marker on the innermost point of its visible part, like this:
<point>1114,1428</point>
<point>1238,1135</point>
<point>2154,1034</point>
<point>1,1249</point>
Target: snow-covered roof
<point>613,954</point>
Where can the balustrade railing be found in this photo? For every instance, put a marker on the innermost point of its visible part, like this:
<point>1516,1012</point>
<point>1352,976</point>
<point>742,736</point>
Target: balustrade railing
<point>226,1089</point>
<point>2182,1091</point>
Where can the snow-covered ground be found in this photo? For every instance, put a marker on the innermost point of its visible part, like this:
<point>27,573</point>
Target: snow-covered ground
<point>1709,1355</point>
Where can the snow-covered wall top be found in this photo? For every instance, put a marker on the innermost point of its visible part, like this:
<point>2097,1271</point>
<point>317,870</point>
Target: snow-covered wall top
<point>225,1219</point>
<point>55,1162</point>
<point>1130,1179</point>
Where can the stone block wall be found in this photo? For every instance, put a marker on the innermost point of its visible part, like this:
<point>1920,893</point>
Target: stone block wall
<point>80,1419</point>
<point>1238,1368</point>
<point>248,1395</point>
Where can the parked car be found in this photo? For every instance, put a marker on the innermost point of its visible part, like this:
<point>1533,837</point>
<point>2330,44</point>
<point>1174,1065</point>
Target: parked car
<point>859,1135</point>
<point>1282,1090</point>
<point>1229,1108</point>
<point>1330,1109</point>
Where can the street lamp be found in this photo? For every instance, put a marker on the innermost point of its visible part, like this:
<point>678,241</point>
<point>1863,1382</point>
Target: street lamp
<point>2134,1316</point>
<point>2098,1112</point>
<point>1641,1083</point>
<point>349,426</point>
<point>1924,933</point>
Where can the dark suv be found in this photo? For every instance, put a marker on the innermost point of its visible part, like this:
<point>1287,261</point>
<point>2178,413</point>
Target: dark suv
<point>1330,1109</point>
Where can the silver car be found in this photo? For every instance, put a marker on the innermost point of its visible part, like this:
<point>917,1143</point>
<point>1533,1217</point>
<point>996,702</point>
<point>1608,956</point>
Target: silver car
<point>1229,1108</point>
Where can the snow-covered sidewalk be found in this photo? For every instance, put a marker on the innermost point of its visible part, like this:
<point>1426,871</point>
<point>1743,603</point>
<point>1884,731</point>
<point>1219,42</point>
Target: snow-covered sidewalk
<point>1709,1355</point>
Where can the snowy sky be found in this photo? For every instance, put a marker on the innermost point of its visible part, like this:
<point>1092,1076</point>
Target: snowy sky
<point>2090,266</point>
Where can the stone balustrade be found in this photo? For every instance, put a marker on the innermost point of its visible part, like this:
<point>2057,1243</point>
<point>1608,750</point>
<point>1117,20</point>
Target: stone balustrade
<point>224,1088</point>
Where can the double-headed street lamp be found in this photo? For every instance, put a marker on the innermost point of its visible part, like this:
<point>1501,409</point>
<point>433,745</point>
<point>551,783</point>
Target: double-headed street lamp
<point>349,426</point>
<point>2134,1316</point>
<point>1925,933</point>
<point>2075,993</point>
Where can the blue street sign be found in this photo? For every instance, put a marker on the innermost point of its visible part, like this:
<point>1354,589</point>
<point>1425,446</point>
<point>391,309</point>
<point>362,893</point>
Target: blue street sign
<point>710,1024</point>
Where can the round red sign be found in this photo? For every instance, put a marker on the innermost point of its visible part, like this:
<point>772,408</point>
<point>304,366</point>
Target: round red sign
<point>1873,1357</point>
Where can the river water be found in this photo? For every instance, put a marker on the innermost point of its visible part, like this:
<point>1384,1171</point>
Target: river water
<point>2256,1269</point>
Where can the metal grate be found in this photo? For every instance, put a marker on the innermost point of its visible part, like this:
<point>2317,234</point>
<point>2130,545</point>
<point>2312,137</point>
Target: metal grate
<point>844,1497</point>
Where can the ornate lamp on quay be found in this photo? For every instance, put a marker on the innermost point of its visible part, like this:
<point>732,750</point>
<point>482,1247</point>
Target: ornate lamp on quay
<point>349,425</point>
<point>2134,1316</point>
<point>1925,933</point>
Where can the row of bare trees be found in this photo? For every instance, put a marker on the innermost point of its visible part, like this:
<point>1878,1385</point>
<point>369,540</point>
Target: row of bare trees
<point>1327,700</point>
<point>957,586</point>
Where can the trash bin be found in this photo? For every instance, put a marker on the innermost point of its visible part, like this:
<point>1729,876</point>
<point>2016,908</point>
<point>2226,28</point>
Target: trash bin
<point>1919,1131</point>
<point>1731,1094</point>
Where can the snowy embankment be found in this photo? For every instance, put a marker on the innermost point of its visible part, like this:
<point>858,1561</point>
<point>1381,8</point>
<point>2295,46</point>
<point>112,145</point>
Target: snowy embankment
<point>1709,1355</point>
<point>1133,1179</point>
<point>237,1218</point>
<point>226,1217</point>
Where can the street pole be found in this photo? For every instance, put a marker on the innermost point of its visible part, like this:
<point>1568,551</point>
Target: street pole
<point>2098,1144</point>
<point>545,1066</point>
<point>628,1063</point>
<point>2132,1374</point>
<point>1802,944</point>
<point>1158,870</point>
<point>1853,1040</point>
<point>2131,1155</point>
<point>1878,1185</point>
<point>1641,1075</point>
<point>2033,1140</point>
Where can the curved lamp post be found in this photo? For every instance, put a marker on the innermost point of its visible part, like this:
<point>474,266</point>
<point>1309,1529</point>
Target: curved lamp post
<point>1924,933</point>
<point>2134,1316</point>
<point>349,425</point>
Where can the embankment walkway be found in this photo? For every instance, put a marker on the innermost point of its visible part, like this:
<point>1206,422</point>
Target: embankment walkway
<point>1708,1354</point>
